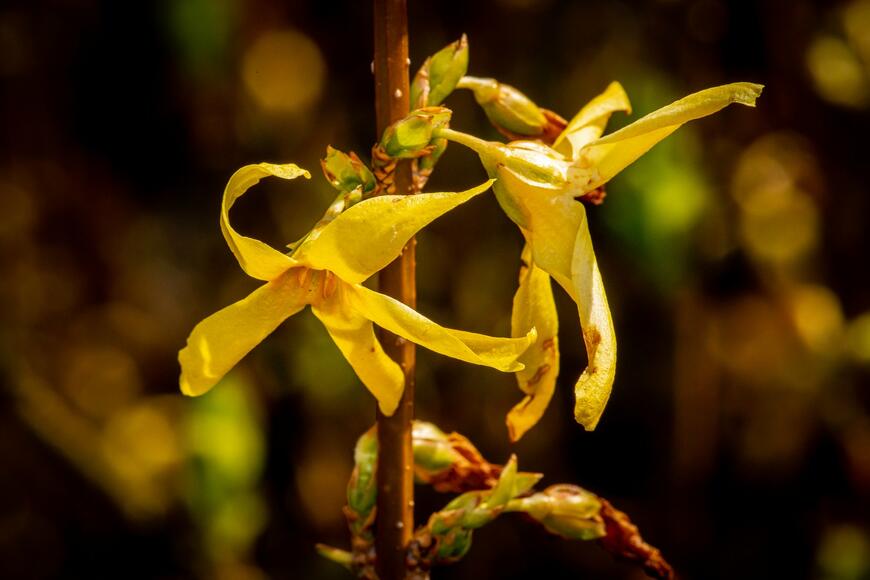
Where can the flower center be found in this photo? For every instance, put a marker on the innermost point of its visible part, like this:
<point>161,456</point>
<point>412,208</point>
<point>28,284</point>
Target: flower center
<point>317,285</point>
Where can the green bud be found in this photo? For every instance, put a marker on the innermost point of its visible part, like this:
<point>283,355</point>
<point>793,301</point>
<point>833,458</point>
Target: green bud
<point>433,451</point>
<point>454,546</point>
<point>506,107</point>
<point>411,137</point>
<point>452,527</point>
<point>447,67</point>
<point>420,86</point>
<point>362,491</point>
<point>346,172</point>
<point>452,517</point>
<point>440,74</point>
<point>565,510</point>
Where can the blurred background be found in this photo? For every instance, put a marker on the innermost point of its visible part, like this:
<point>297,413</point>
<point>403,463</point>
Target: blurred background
<point>735,257</point>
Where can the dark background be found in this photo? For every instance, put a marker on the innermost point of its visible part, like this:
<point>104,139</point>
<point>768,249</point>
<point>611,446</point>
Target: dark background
<point>734,256</point>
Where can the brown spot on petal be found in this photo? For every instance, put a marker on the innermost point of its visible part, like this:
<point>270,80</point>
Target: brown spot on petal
<point>592,338</point>
<point>554,127</point>
<point>539,374</point>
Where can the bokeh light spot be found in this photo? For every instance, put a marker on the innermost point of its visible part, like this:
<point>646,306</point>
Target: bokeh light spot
<point>858,338</point>
<point>837,73</point>
<point>817,316</point>
<point>101,379</point>
<point>782,233</point>
<point>284,72</point>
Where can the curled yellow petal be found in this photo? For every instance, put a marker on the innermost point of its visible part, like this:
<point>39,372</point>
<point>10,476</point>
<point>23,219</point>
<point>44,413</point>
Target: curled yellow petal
<point>257,259</point>
<point>607,156</point>
<point>588,124</point>
<point>220,341</point>
<point>388,313</point>
<point>534,307</point>
<point>558,234</point>
<point>354,335</point>
<point>548,221</point>
<point>371,234</point>
<point>593,387</point>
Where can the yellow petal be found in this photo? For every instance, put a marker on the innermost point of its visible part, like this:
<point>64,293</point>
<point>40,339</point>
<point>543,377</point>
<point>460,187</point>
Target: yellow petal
<point>220,341</point>
<point>549,222</point>
<point>534,308</point>
<point>593,387</point>
<point>388,313</point>
<point>371,234</point>
<point>558,234</point>
<point>354,335</point>
<point>257,259</point>
<point>589,123</point>
<point>609,155</point>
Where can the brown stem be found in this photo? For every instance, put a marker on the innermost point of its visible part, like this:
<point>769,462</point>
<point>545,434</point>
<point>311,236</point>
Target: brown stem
<point>395,475</point>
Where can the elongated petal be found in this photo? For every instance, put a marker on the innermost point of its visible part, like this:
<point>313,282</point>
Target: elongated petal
<point>355,337</point>
<point>593,387</point>
<point>610,154</point>
<point>558,234</point>
<point>388,313</point>
<point>534,307</point>
<point>372,233</point>
<point>257,259</point>
<point>548,220</point>
<point>589,123</point>
<point>220,341</point>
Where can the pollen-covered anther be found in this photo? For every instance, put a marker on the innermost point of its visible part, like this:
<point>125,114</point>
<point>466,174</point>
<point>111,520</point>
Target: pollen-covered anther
<point>329,285</point>
<point>302,276</point>
<point>318,285</point>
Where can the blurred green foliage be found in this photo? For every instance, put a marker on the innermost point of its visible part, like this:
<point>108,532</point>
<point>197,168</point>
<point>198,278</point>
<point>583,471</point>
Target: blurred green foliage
<point>738,434</point>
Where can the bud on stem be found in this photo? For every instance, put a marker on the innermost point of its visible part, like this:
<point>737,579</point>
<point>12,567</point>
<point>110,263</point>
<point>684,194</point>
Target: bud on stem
<point>412,136</point>
<point>362,489</point>
<point>347,172</point>
<point>565,510</point>
<point>506,107</point>
<point>440,74</point>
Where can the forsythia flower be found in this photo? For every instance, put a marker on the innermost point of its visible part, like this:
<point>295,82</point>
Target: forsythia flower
<point>538,187</point>
<point>325,271</point>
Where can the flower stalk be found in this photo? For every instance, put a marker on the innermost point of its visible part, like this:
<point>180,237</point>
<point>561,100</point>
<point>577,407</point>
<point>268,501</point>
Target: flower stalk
<point>395,474</point>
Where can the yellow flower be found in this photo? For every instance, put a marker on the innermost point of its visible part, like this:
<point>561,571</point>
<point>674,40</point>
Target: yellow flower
<point>325,270</point>
<point>538,187</point>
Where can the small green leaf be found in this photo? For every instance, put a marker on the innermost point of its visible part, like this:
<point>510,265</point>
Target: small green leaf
<point>505,489</point>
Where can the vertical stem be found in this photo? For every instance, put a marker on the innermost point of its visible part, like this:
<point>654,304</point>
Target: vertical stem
<point>395,477</point>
